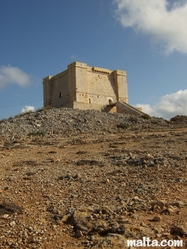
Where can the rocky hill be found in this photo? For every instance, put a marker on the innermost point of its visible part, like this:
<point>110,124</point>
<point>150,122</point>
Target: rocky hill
<point>85,179</point>
<point>67,121</point>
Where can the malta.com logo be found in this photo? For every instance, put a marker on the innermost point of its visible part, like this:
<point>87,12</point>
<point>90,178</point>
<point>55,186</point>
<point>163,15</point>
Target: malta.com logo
<point>147,242</point>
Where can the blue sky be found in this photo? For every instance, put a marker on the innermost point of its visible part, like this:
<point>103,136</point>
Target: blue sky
<point>146,38</point>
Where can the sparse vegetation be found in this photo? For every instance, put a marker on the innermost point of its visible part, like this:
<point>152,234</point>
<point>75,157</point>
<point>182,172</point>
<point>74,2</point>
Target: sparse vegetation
<point>40,110</point>
<point>145,116</point>
<point>155,121</point>
<point>17,116</point>
<point>2,120</point>
<point>134,119</point>
<point>37,133</point>
<point>25,113</point>
<point>122,126</point>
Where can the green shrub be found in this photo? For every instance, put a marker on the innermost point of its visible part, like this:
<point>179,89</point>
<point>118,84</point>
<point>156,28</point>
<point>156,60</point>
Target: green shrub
<point>122,126</point>
<point>36,133</point>
<point>145,116</point>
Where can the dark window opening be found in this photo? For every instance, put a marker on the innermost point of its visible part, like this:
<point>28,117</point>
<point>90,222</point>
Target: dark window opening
<point>60,95</point>
<point>110,101</point>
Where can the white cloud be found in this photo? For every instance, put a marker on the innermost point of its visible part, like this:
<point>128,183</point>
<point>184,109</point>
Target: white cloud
<point>27,108</point>
<point>163,21</point>
<point>169,105</point>
<point>146,108</point>
<point>13,75</point>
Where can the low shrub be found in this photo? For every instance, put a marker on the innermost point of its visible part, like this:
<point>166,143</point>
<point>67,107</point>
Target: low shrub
<point>134,119</point>
<point>145,116</point>
<point>36,133</point>
<point>122,126</point>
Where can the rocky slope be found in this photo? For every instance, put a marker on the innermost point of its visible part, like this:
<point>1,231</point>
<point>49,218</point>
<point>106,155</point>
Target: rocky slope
<point>85,179</point>
<point>67,121</point>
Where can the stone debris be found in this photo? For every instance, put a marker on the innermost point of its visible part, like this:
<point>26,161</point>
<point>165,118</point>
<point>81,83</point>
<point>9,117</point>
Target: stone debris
<point>180,229</point>
<point>68,121</point>
<point>78,179</point>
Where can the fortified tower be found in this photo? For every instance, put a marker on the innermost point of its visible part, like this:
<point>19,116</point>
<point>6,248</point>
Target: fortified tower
<point>85,87</point>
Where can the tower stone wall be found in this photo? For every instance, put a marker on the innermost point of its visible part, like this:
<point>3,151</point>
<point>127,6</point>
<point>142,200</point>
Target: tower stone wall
<point>85,87</point>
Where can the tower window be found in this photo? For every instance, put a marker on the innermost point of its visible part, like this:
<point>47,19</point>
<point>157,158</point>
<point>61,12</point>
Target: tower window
<point>110,101</point>
<point>60,95</point>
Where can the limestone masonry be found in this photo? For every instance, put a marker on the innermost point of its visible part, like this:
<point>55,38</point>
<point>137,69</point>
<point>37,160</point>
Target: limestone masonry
<point>84,87</point>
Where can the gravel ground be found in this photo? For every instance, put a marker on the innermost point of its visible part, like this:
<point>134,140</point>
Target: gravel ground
<point>85,179</point>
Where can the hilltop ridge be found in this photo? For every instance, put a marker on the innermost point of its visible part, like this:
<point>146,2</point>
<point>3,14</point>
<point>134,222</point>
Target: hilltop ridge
<point>69,121</point>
